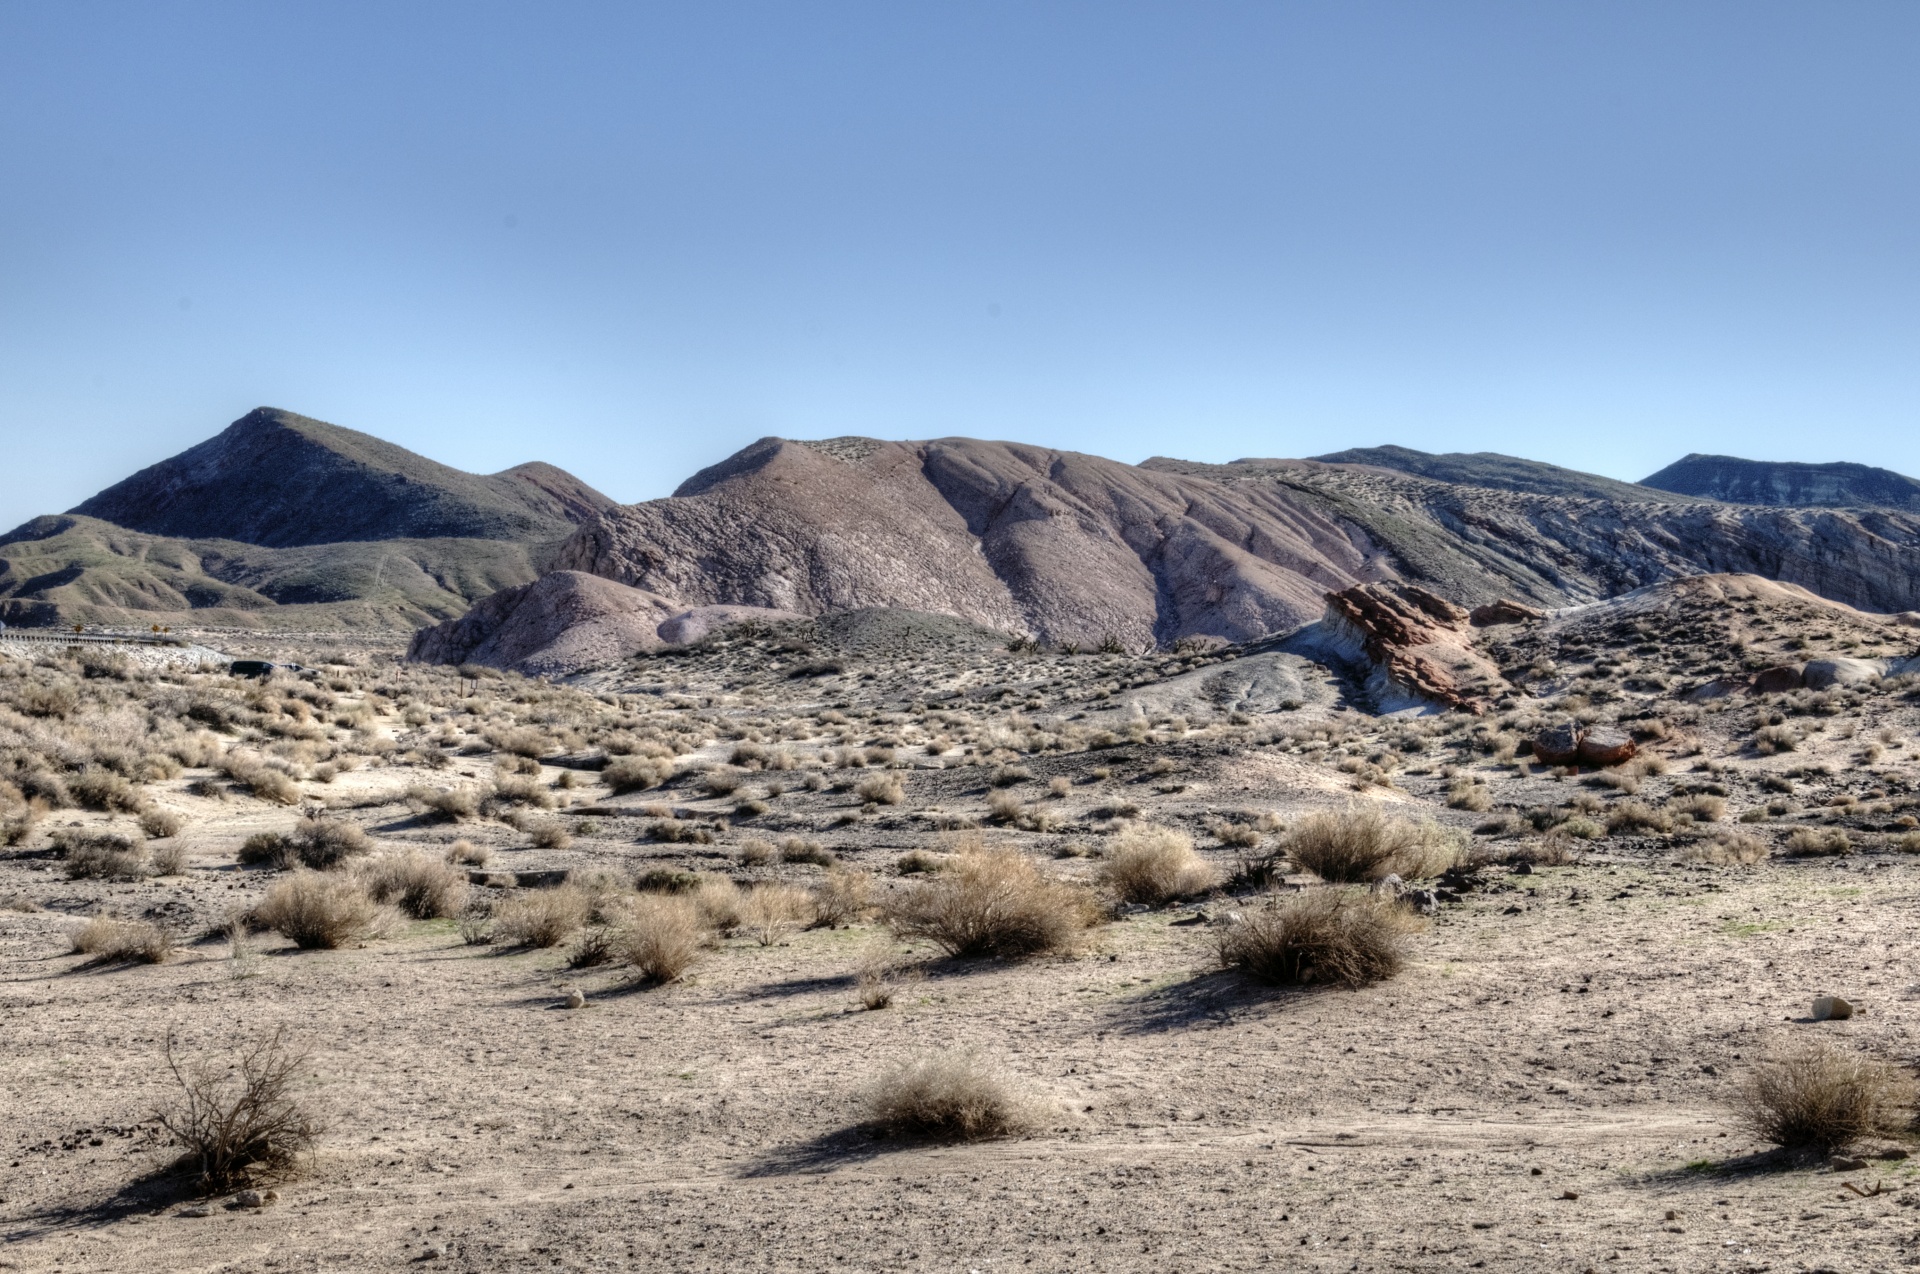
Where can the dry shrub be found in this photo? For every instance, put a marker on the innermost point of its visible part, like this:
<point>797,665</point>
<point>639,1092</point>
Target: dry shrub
<point>238,1119</point>
<point>320,911</point>
<point>418,885</point>
<point>916,861</point>
<point>269,785</point>
<point>1823,1098</point>
<point>1470,796</point>
<point>718,901</point>
<point>169,859</point>
<point>111,941</point>
<point>1727,847</point>
<point>1700,807</point>
<point>1154,865</point>
<point>157,824</point>
<point>842,898</point>
<point>951,1096</point>
<point>756,853</point>
<point>1355,846</point>
<point>993,902</point>
<point>878,976</point>
<point>881,789</point>
<point>99,789</point>
<point>322,843</point>
<point>1233,835</point>
<point>1321,936</point>
<point>1630,817</point>
<point>1819,842</point>
<point>464,853</point>
<point>99,856</point>
<point>636,773</point>
<point>454,804</point>
<point>795,850</point>
<point>660,936</point>
<point>550,834</point>
<point>770,912</point>
<point>541,917</point>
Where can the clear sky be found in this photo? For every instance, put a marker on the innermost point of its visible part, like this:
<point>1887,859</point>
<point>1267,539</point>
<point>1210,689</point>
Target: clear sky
<point>630,238</point>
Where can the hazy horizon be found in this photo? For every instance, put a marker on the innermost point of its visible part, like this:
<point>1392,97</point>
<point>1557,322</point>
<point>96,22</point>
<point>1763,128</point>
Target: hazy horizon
<point>628,240</point>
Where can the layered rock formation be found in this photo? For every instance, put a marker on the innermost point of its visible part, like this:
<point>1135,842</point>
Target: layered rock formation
<point>1412,648</point>
<point>1787,483</point>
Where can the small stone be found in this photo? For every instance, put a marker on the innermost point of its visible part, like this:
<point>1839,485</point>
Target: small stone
<point>433,1253</point>
<point>1831,1008</point>
<point>194,1212</point>
<point>1539,1172</point>
<point>1523,868</point>
<point>1569,1194</point>
<point>1604,745</point>
<point>249,1199</point>
<point>576,999</point>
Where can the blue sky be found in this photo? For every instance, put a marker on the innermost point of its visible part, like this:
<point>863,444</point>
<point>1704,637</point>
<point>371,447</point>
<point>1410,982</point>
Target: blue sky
<point>631,238</point>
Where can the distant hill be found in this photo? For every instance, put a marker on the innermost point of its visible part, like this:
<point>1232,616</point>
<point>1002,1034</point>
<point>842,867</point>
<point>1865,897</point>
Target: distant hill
<point>1491,469</point>
<point>285,522</point>
<point>278,479</point>
<point>1788,484</point>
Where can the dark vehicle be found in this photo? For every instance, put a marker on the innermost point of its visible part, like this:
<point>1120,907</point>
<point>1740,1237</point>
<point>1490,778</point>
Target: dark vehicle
<point>250,668</point>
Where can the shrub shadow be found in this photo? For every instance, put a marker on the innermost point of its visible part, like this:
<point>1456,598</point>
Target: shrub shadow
<point>155,1191</point>
<point>1208,1000</point>
<point>843,1147</point>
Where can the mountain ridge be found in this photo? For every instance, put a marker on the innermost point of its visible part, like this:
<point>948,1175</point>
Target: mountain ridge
<point>1787,483</point>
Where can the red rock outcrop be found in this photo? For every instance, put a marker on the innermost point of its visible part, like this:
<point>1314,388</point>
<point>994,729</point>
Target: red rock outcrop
<point>1418,644</point>
<point>1504,611</point>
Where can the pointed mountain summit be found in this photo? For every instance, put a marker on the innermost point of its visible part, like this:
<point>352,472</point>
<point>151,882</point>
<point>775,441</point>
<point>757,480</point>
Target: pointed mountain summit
<point>1788,484</point>
<point>278,479</point>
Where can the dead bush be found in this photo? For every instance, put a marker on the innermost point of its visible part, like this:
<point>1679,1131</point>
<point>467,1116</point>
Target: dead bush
<point>100,789</point>
<point>1819,842</point>
<point>99,855</point>
<point>1154,865</point>
<point>1727,847</point>
<point>1698,807</point>
<point>238,1119</point>
<point>916,861</point>
<point>1321,936</point>
<point>550,834</point>
<point>1770,739</point>
<point>454,804</point>
<point>1470,796</point>
<point>842,898</point>
<point>320,911</point>
<point>880,789</point>
<point>756,853</point>
<point>659,936</point>
<point>719,901</point>
<point>541,917</point>
<point>464,853</point>
<point>169,859</point>
<point>993,902</point>
<point>111,941</point>
<point>1630,817</point>
<point>158,824</point>
<point>1355,846</point>
<point>323,843</point>
<point>771,912</point>
<point>418,885</point>
<point>795,850</point>
<point>1823,1098</point>
<point>950,1096</point>
<point>636,773</point>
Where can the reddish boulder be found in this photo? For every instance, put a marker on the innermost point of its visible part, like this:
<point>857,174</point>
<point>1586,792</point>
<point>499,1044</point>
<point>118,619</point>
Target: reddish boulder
<point>1604,745</point>
<point>1504,611</point>
<point>1558,745</point>
<point>1779,679</point>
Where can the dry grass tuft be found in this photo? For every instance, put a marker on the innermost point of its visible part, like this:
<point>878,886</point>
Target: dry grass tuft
<point>238,1119</point>
<point>464,853</point>
<point>111,941</point>
<point>319,911</point>
<point>1819,842</point>
<point>636,773</point>
<point>322,843</point>
<point>843,898</point>
<point>1154,865</point>
<point>881,789</point>
<point>1823,1098</point>
<point>1356,846</point>
<point>1727,847</point>
<point>541,917</point>
<point>1322,936</point>
<point>660,936</point>
<point>771,912</point>
<point>99,856</point>
<point>946,1096</point>
<point>993,902</point>
<point>418,885</point>
<point>719,901</point>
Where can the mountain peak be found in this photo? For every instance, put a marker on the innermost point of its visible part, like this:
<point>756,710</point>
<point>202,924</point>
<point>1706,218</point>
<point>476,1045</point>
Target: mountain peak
<point>1787,483</point>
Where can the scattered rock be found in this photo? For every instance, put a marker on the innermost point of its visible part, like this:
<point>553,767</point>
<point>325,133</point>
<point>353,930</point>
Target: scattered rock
<point>1831,1008</point>
<point>576,999</point>
<point>1841,1163</point>
<point>1192,918</point>
<point>1557,745</point>
<point>194,1212</point>
<point>1424,901</point>
<point>1418,643</point>
<point>250,1199</point>
<point>1503,611</point>
<point>1823,673</point>
<point>1604,745</point>
<point>1569,1194</point>
<point>1389,885</point>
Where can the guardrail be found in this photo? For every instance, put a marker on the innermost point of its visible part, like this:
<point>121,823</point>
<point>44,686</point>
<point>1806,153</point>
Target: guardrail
<point>41,637</point>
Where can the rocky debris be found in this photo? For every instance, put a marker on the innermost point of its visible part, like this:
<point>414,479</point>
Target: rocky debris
<point>1605,745</point>
<point>1503,611</point>
<point>1822,674</point>
<point>1720,688</point>
<point>1416,646</point>
<point>254,1198</point>
<point>1831,1008</point>
<point>1778,679</point>
<point>576,999</point>
<point>1845,1163</point>
<point>1557,745</point>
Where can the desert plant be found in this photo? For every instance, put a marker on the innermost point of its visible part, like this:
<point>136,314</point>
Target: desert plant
<point>756,853</point>
<point>1630,817</point>
<point>320,911</point>
<point>418,885</point>
<point>111,941</point>
<point>464,853</point>
<point>952,1096</point>
<point>454,804</point>
<point>1819,842</point>
<point>770,912</point>
<point>993,902</point>
<point>880,789</point>
<point>842,897</point>
<point>1154,865</point>
<point>321,843</point>
<point>101,789</point>
<point>796,850</point>
<point>877,978</point>
<point>238,1120</point>
<point>549,834</point>
<point>1699,807</point>
<point>1470,796</point>
<point>1769,739</point>
<point>1362,845</point>
<point>1727,847</point>
<point>1822,1098</point>
<point>159,824</point>
<point>916,861</point>
<point>99,855</point>
<point>636,773</point>
<point>1320,936</point>
<point>718,900</point>
<point>169,859</point>
<point>660,936</point>
<point>541,917</point>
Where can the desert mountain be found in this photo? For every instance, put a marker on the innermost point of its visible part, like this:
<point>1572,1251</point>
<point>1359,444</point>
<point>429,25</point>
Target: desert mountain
<point>284,522</point>
<point>1788,484</point>
<point>1073,548</point>
<point>1491,469</point>
<point>277,479</point>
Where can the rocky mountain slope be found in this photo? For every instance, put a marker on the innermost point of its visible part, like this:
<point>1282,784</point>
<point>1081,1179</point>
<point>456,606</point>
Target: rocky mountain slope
<point>277,479</point>
<point>288,523</point>
<point>1491,469</point>
<point>1076,549</point>
<point>1788,484</point>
